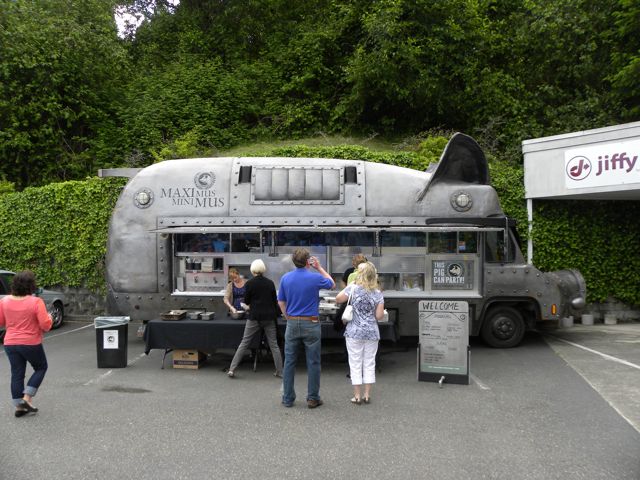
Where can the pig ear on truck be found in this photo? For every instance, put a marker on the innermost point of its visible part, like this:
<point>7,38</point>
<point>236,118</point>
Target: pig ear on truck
<point>462,161</point>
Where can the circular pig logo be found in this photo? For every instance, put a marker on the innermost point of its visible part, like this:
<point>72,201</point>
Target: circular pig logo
<point>204,180</point>
<point>455,270</point>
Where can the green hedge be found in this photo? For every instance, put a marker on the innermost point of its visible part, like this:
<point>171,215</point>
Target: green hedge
<point>60,230</point>
<point>600,239</point>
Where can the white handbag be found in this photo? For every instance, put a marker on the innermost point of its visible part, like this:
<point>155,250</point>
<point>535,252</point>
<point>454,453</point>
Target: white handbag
<point>347,315</point>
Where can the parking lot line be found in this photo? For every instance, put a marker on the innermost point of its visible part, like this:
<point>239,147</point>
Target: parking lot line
<point>63,333</point>
<point>70,331</point>
<point>591,350</point>
<point>99,378</point>
<point>480,384</point>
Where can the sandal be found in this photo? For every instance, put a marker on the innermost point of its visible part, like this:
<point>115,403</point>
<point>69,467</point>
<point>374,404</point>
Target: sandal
<point>231,374</point>
<point>366,400</point>
<point>356,401</point>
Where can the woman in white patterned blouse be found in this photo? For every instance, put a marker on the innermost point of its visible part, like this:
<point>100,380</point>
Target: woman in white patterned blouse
<point>362,334</point>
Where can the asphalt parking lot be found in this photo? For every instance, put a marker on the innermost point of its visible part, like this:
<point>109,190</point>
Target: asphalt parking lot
<point>563,405</point>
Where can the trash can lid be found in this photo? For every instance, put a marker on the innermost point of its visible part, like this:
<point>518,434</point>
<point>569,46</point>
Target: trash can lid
<point>104,322</point>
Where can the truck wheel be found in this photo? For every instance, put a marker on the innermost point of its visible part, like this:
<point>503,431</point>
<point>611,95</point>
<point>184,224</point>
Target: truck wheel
<point>57,315</point>
<point>503,327</point>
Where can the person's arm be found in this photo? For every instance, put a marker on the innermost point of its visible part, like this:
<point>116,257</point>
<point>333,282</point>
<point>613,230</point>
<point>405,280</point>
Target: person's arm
<point>44,319</point>
<point>2,320</point>
<point>246,303</point>
<point>283,308</point>
<point>313,261</point>
<point>380,311</point>
<point>275,298</point>
<point>228,297</point>
<point>343,296</point>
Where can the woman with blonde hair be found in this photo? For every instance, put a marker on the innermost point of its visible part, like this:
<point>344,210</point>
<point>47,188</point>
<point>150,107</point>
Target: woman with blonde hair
<point>362,334</point>
<point>260,297</point>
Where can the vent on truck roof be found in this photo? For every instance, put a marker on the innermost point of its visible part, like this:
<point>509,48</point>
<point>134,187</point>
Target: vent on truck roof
<point>245,174</point>
<point>297,185</point>
<point>350,175</point>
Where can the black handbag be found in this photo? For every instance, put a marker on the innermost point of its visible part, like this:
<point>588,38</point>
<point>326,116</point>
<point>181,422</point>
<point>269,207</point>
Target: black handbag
<point>338,324</point>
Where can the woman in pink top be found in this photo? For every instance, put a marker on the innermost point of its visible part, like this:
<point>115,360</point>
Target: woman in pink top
<point>25,317</point>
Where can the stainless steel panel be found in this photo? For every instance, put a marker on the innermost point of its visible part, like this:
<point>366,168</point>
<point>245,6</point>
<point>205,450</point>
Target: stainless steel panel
<point>279,184</point>
<point>297,184</point>
<point>313,184</point>
<point>262,184</point>
<point>331,184</point>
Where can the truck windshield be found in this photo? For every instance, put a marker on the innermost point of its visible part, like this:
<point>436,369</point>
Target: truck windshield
<point>494,248</point>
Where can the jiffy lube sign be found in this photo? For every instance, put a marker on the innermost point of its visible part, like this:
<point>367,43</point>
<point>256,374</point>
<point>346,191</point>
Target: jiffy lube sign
<point>608,164</point>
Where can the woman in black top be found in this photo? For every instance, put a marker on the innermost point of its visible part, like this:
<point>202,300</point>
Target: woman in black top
<point>260,296</point>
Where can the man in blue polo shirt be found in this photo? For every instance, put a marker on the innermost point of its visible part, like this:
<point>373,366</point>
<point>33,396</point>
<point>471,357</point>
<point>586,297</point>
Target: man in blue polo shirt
<point>298,298</point>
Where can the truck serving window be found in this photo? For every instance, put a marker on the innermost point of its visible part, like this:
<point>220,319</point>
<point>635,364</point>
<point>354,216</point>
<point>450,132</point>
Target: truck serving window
<point>453,242</point>
<point>334,239</point>
<point>300,239</point>
<point>403,239</point>
<point>245,242</point>
<point>345,239</point>
<point>202,242</point>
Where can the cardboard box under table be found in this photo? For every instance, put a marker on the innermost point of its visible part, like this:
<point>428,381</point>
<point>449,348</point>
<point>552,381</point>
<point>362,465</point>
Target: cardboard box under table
<point>193,335</point>
<point>189,359</point>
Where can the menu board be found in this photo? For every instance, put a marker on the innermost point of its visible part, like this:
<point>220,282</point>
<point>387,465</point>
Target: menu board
<point>444,341</point>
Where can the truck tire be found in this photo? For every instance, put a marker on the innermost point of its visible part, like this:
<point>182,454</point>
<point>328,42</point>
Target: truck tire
<point>503,327</point>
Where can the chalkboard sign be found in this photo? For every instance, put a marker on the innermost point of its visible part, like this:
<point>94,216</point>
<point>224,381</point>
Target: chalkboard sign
<point>443,351</point>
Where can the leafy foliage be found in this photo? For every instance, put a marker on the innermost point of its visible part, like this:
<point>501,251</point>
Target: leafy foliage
<point>59,231</point>
<point>60,71</point>
<point>596,238</point>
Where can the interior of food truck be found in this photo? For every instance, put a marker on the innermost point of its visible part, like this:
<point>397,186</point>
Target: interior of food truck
<point>409,261</point>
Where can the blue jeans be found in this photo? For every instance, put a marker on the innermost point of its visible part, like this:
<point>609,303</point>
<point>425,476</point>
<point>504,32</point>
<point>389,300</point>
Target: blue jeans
<point>18,356</point>
<point>301,333</point>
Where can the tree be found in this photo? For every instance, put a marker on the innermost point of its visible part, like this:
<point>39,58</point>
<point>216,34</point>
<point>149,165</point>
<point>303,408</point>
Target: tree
<point>625,59</point>
<point>61,67</point>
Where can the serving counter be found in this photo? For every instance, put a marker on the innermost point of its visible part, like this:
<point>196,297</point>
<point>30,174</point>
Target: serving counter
<point>226,333</point>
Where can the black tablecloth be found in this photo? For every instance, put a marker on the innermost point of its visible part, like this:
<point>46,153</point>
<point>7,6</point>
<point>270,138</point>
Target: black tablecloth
<point>206,335</point>
<point>193,334</point>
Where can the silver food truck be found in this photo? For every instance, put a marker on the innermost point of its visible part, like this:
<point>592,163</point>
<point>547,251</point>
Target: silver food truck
<point>180,225</point>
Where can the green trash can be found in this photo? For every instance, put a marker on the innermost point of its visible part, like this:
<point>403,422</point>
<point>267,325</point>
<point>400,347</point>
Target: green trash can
<point>111,341</point>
